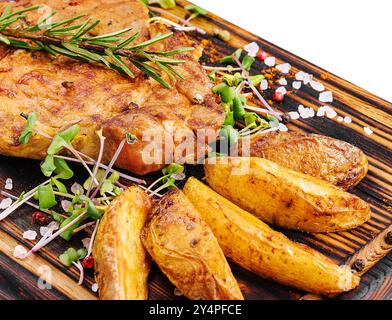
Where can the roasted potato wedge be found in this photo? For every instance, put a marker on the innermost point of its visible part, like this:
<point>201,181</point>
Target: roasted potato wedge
<point>284,197</point>
<point>256,247</point>
<point>322,157</point>
<point>187,252</point>
<point>121,262</point>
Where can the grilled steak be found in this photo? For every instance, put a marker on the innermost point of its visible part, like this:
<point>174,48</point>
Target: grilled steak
<point>63,92</point>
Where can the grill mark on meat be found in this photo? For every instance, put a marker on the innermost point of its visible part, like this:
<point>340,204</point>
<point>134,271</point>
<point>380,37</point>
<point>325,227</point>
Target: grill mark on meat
<point>62,91</point>
<point>32,75</point>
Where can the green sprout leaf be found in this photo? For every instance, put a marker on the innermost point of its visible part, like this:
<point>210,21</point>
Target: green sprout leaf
<point>166,4</point>
<point>48,166</point>
<point>247,62</point>
<point>67,234</point>
<point>28,130</point>
<point>82,253</point>
<point>63,171</point>
<point>173,168</point>
<point>46,197</point>
<point>59,186</point>
<point>196,9</point>
<point>229,59</point>
<point>63,139</point>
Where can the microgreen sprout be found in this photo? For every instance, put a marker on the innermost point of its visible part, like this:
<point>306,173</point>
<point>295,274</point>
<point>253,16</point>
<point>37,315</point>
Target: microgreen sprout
<point>171,174</point>
<point>177,18</point>
<point>196,11</point>
<point>28,130</point>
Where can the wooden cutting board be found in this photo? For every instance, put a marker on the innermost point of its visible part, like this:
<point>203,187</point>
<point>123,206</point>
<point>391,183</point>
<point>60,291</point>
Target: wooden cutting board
<point>19,278</point>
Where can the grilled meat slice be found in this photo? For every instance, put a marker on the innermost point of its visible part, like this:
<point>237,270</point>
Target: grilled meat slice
<point>322,157</point>
<point>63,92</point>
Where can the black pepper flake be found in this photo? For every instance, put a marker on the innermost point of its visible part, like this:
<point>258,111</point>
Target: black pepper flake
<point>388,238</point>
<point>359,265</point>
<point>133,105</point>
<point>67,84</point>
<point>194,242</point>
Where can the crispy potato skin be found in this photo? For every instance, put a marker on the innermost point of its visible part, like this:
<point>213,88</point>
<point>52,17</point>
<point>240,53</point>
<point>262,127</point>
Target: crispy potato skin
<point>256,247</point>
<point>284,197</point>
<point>187,251</point>
<point>121,262</point>
<point>322,157</point>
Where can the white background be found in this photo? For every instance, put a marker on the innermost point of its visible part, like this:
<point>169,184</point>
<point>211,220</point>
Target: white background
<point>350,38</point>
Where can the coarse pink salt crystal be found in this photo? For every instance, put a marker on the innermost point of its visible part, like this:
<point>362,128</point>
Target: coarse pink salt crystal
<point>297,85</point>
<point>8,184</point>
<point>270,61</point>
<point>282,90</point>
<point>368,131</point>
<point>300,75</point>
<point>347,119</point>
<point>326,96</point>
<point>264,84</point>
<point>94,287</point>
<point>282,127</point>
<point>30,235</point>
<point>284,67</point>
<point>20,252</point>
<point>252,49</point>
<point>294,115</point>
<point>331,113</point>
<point>5,203</point>
<point>76,187</point>
<point>318,86</point>
<point>282,82</point>
<point>321,112</point>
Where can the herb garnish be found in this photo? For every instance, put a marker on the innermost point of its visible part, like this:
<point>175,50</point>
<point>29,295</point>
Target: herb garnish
<point>69,37</point>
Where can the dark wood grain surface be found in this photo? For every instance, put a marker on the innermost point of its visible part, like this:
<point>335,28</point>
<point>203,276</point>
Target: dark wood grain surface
<point>18,279</point>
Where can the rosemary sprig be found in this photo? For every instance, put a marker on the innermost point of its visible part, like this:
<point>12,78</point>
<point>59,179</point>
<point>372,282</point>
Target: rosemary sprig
<point>70,38</point>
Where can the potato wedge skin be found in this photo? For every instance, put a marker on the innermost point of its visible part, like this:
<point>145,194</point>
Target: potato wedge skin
<point>121,262</point>
<point>187,251</point>
<point>284,197</point>
<point>253,245</point>
<point>329,159</point>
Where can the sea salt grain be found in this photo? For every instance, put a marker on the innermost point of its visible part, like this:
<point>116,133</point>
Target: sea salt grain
<point>282,127</point>
<point>283,82</point>
<point>264,84</point>
<point>317,86</point>
<point>294,115</point>
<point>65,204</point>
<point>77,187</point>
<point>307,78</point>
<point>303,76</point>
<point>297,85</point>
<point>326,96</point>
<point>20,252</point>
<point>340,119</point>
<point>8,184</point>
<point>94,287</point>
<point>284,67</point>
<point>330,113</point>
<point>270,61</point>
<point>5,203</point>
<point>368,131</point>
<point>347,119</point>
<point>30,235</point>
<point>282,90</point>
<point>86,242</point>
<point>321,112</point>
<point>300,75</point>
<point>252,49</point>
